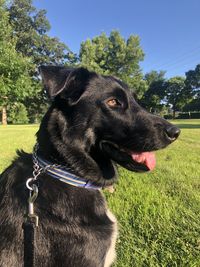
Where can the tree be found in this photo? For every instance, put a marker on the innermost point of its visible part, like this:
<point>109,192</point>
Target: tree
<point>30,26</point>
<point>154,95</point>
<point>15,82</point>
<point>17,114</point>
<point>113,55</point>
<point>36,104</point>
<point>154,76</point>
<point>194,105</point>
<point>30,29</point>
<point>177,94</point>
<point>193,81</point>
<point>193,84</point>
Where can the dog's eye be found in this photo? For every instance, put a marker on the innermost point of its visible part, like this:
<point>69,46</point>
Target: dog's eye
<point>113,103</point>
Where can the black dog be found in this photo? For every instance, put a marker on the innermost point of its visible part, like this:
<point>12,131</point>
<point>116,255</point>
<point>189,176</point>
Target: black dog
<point>93,121</point>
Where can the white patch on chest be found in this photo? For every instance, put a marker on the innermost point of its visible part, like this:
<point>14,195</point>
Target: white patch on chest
<point>111,254</point>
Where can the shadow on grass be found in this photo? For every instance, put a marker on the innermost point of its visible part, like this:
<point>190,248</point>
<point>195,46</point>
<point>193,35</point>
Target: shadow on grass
<point>188,126</point>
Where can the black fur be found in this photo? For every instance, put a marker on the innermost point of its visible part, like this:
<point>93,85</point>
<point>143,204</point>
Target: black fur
<point>80,130</point>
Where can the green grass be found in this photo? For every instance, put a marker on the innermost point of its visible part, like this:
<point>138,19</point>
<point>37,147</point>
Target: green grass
<point>158,212</point>
<point>15,137</point>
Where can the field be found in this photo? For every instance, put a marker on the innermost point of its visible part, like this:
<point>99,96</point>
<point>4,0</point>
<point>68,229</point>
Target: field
<point>158,212</point>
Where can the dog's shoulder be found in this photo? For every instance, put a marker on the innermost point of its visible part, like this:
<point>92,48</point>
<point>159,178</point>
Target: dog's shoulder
<point>20,167</point>
<point>23,158</point>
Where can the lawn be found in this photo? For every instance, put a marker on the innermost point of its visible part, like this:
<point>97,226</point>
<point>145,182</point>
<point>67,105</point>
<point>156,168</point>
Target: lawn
<point>158,212</point>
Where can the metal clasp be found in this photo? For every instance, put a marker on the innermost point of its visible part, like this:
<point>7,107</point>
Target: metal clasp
<point>33,193</point>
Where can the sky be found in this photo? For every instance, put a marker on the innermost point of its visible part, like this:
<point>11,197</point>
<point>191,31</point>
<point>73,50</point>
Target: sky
<point>169,30</point>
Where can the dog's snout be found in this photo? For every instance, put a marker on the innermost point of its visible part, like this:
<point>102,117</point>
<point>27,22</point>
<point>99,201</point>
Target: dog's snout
<point>172,132</point>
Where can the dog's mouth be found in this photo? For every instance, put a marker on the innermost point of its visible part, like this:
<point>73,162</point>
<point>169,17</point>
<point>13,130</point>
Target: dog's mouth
<point>133,161</point>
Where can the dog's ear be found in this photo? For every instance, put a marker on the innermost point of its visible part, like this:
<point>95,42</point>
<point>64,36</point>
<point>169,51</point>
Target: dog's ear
<point>70,82</point>
<point>54,79</point>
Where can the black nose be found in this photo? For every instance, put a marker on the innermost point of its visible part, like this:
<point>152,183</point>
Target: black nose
<point>172,132</point>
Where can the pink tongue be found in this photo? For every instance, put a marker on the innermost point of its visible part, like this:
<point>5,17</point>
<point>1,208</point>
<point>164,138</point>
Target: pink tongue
<point>146,158</point>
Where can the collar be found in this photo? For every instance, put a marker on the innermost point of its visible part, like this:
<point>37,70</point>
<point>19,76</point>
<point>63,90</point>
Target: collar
<point>61,173</point>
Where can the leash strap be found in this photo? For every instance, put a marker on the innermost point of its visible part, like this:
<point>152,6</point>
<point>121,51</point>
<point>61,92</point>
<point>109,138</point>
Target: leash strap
<point>30,227</point>
<point>29,241</point>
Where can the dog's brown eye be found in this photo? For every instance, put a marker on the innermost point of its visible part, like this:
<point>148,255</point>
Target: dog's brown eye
<point>113,103</point>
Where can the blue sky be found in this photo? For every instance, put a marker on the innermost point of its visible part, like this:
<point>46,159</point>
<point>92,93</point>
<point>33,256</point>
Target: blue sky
<point>169,30</point>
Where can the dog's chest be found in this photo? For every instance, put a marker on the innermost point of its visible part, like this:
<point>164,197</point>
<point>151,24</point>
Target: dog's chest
<point>111,254</point>
<point>91,234</point>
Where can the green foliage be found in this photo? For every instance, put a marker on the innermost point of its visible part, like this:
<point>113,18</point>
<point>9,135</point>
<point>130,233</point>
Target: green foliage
<point>15,82</point>
<point>156,91</point>
<point>189,115</point>
<point>193,84</point>
<point>17,114</point>
<point>27,46</point>
<point>154,76</point>
<point>36,104</point>
<point>30,26</point>
<point>193,80</point>
<point>177,94</point>
<point>194,105</point>
<point>113,55</point>
<point>168,116</point>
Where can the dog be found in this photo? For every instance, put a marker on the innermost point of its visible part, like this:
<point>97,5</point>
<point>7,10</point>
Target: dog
<point>92,124</point>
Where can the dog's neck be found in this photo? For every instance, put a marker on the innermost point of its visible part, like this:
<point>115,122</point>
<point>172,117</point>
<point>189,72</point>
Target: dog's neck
<point>80,165</point>
<point>60,172</point>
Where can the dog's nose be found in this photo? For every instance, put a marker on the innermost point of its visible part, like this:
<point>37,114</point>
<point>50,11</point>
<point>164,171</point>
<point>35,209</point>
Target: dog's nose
<point>172,132</point>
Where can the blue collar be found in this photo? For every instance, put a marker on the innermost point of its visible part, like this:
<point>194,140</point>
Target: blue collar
<point>60,172</point>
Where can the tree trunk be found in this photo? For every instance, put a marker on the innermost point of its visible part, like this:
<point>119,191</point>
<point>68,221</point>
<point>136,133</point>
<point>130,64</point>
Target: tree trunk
<point>174,114</point>
<point>4,116</point>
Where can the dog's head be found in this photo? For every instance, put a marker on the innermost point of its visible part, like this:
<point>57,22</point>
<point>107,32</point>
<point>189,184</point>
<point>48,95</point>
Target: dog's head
<point>95,121</point>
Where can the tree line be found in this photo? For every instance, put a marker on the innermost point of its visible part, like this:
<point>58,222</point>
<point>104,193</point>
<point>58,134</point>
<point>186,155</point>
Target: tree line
<point>25,44</point>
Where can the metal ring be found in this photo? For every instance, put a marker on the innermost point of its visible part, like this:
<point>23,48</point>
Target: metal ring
<point>27,183</point>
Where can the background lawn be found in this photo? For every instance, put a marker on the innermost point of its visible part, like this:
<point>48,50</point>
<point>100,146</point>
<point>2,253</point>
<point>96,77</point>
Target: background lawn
<point>158,212</point>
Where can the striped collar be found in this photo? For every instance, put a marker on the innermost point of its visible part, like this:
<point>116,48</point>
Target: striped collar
<point>61,173</point>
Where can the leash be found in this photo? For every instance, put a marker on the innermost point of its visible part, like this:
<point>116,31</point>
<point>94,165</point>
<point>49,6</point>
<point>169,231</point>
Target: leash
<point>30,226</point>
<point>31,221</point>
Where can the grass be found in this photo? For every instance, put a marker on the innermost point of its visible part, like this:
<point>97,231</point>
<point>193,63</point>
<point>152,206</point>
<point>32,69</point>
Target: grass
<point>158,212</point>
<point>15,137</point>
